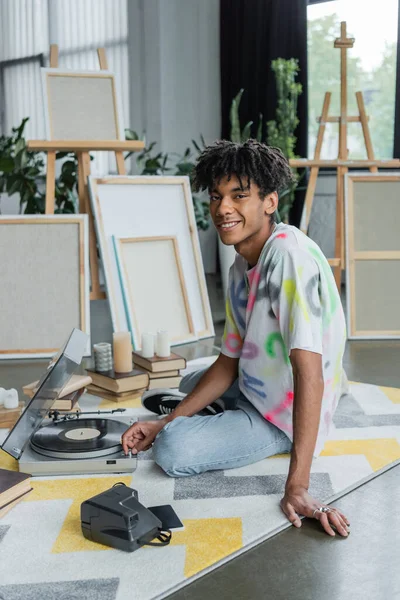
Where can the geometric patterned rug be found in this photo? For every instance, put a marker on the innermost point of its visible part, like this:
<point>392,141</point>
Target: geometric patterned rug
<point>44,556</point>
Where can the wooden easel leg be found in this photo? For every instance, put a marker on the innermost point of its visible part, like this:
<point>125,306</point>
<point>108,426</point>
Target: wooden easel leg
<point>309,199</point>
<point>50,183</point>
<point>312,182</point>
<point>365,129</point>
<point>81,184</point>
<point>343,249</point>
<point>121,167</point>
<point>85,207</point>
<point>339,239</point>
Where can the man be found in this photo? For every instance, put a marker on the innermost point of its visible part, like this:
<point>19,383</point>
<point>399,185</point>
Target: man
<point>276,383</point>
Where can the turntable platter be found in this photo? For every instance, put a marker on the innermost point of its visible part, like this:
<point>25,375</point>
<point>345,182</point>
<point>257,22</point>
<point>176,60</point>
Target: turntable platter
<point>79,438</point>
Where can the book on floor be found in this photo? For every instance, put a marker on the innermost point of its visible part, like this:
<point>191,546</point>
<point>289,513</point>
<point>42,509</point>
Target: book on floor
<point>97,391</point>
<point>69,402</point>
<point>165,382</point>
<point>120,382</point>
<point>13,486</point>
<point>5,509</point>
<point>174,362</point>
<point>121,397</point>
<point>9,416</point>
<point>77,382</point>
<point>160,374</point>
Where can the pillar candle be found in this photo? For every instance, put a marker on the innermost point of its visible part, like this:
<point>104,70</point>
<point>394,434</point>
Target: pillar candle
<point>2,396</point>
<point>163,346</point>
<point>147,345</point>
<point>11,399</point>
<point>122,344</point>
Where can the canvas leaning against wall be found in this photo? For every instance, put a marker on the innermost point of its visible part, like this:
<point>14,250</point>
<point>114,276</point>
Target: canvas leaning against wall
<point>139,206</point>
<point>44,272</point>
<point>146,266</point>
<point>373,255</point>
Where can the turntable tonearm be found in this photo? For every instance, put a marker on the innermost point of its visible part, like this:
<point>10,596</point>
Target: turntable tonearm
<point>69,445</point>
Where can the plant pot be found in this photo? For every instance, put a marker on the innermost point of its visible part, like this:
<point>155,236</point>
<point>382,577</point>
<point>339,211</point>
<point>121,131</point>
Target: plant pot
<point>9,205</point>
<point>208,246</point>
<point>226,257</point>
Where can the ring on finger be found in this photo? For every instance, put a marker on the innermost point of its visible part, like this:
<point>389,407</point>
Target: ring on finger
<point>322,509</point>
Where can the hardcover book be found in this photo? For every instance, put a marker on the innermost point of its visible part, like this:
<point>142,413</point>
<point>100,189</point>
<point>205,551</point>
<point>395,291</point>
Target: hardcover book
<point>120,382</point>
<point>174,362</point>
<point>12,486</point>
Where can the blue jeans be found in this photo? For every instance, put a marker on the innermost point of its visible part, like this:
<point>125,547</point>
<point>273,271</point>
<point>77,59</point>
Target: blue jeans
<point>234,438</point>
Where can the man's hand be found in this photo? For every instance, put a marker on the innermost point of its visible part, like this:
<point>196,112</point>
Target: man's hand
<point>141,435</point>
<point>297,501</point>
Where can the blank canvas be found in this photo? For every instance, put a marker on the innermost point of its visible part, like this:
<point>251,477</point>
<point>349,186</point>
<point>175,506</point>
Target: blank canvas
<point>373,255</point>
<point>44,275</point>
<point>127,207</point>
<point>377,284</point>
<point>81,105</point>
<point>154,288</point>
<point>376,206</point>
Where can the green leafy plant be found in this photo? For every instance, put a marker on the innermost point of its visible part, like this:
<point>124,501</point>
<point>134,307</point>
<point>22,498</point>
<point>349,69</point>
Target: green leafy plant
<point>185,166</point>
<point>22,172</point>
<point>237,134</point>
<point>281,130</point>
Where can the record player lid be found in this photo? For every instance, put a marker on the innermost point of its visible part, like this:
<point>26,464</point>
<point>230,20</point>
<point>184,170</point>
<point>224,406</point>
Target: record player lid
<point>59,371</point>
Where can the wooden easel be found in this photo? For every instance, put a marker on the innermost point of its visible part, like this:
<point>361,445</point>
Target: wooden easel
<point>82,149</point>
<point>342,163</point>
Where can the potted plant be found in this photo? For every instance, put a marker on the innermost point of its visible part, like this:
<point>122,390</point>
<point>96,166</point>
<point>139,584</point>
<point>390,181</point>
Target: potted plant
<point>23,172</point>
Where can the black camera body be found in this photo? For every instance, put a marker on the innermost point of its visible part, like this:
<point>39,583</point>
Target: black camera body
<point>116,518</point>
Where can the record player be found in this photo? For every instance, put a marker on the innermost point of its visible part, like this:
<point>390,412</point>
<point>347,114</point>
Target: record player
<point>73,444</point>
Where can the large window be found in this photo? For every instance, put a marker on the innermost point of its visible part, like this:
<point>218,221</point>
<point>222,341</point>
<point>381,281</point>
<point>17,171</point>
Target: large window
<point>371,69</point>
<point>78,27</point>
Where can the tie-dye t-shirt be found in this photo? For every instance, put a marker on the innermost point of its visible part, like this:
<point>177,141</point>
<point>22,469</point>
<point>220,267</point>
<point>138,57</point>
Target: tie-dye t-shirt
<point>288,300</point>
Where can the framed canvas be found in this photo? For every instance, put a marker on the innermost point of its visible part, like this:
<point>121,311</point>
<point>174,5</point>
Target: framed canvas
<point>44,274</point>
<point>372,215</point>
<point>81,105</point>
<point>153,288</point>
<point>139,206</point>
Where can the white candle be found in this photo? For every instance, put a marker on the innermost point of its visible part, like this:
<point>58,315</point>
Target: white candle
<point>11,399</point>
<point>2,396</point>
<point>163,345</point>
<point>147,345</point>
<point>122,343</point>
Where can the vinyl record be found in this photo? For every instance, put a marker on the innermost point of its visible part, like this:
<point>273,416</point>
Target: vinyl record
<point>79,438</point>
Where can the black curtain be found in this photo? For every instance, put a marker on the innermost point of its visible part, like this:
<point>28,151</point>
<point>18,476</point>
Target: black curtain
<point>252,34</point>
<point>396,144</point>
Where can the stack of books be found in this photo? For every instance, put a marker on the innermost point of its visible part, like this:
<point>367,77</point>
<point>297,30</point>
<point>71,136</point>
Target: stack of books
<point>13,487</point>
<point>68,397</point>
<point>162,372</point>
<point>118,387</point>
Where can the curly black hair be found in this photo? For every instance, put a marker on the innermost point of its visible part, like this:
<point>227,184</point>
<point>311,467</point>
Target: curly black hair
<point>250,161</point>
